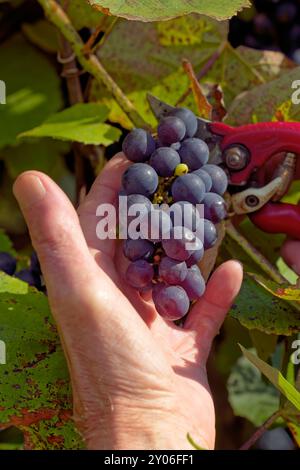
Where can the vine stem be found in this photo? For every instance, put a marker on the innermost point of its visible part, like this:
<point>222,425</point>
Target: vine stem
<point>254,254</point>
<point>90,62</point>
<point>260,431</point>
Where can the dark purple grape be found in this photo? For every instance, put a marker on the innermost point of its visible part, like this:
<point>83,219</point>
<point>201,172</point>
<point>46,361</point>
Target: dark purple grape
<point>195,257</point>
<point>286,12</point>
<point>138,145</point>
<point>171,271</point>
<point>219,178</point>
<point>214,207</point>
<point>164,161</point>
<point>139,274</point>
<point>189,119</point>
<point>210,234</point>
<point>35,264</point>
<point>30,277</point>
<point>138,249</point>
<point>176,146</point>
<point>131,210</point>
<point>181,243</point>
<point>171,130</point>
<point>184,214</point>
<point>194,284</point>
<point>8,264</point>
<point>171,302</point>
<point>194,153</point>
<point>155,224</point>
<point>263,25</point>
<point>206,178</point>
<point>140,178</point>
<point>189,188</point>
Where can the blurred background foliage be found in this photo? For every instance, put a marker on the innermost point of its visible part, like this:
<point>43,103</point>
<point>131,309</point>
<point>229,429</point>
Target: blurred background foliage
<point>63,120</point>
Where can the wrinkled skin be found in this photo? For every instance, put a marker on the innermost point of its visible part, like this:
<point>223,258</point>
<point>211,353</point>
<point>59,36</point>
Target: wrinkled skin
<point>139,382</point>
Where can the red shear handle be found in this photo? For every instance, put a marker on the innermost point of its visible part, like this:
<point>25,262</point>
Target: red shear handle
<point>278,217</point>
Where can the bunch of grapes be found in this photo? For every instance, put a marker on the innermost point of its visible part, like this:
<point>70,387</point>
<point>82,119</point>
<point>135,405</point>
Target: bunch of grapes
<point>179,195</point>
<point>32,275</point>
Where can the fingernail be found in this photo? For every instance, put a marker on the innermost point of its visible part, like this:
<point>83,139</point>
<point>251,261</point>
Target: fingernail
<point>28,190</point>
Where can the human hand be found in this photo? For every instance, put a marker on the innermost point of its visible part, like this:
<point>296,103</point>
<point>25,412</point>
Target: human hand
<point>139,382</point>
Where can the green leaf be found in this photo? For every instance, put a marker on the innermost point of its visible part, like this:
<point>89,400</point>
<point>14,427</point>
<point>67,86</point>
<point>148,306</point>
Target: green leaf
<point>165,9</point>
<point>258,309</point>
<point>81,123</point>
<point>43,34</point>
<point>263,343</point>
<point>261,103</point>
<point>35,392</point>
<point>82,15</point>
<point>6,244</point>
<point>33,88</point>
<point>286,292</point>
<point>249,396</point>
<point>45,155</point>
<point>155,66</point>
<point>295,430</point>
<point>275,377</point>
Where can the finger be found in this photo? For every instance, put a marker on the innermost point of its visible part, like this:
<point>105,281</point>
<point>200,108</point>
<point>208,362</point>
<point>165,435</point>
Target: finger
<point>290,252</point>
<point>104,191</point>
<point>208,314</point>
<point>55,231</point>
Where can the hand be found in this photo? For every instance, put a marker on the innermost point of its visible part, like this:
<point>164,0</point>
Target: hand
<point>138,381</point>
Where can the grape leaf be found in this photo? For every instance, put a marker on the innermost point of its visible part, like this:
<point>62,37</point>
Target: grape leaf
<point>263,343</point>
<point>260,103</point>
<point>275,377</point>
<point>83,122</point>
<point>45,155</point>
<point>35,393</point>
<point>6,244</point>
<point>286,292</point>
<point>155,66</point>
<point>249,396</point>
<point>163,10</point>
<point>82,15</point>
<point>255,308</point>
<point>33,88</point>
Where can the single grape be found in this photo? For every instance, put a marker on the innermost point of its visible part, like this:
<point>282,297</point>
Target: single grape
<point>133,207</point>
<point>138,145</point>
<point>138,249</point>
<point>171,271</point>
<point>35,264</point>
<point>155,224</point>
<point>206,178</point>
<point>214,207</point>
<point>176,146</point>
<point>263,25</point>
<point>194,284</point>
<point>183,213</point>
<point>164,161</point>
<point>188,188</point>
<point>171,130</point>
<point>30,277</point>
<point>195,257</point>
<point>210,234</point>
<point>171,302</point>
<point>181,243</point>
<point>275,439</point>
<point>286,12</point>
<point>189,119</point>
<point>181,169</point>
<point>140,178</point>
<point>139,274</point>
<point>194,153</point>
<point>218,177</point>
<point>8,264</point>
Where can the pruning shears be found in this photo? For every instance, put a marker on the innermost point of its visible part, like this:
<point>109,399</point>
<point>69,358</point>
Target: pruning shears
<point>261,161</point>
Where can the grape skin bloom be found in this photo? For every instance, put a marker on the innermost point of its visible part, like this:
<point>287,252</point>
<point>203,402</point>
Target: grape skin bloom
<point>140,178</point>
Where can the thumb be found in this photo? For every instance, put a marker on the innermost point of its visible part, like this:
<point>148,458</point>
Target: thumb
<point>55,232</point>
